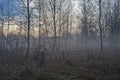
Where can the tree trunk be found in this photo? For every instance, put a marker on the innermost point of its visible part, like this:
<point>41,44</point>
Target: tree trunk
<point>100,26</point>
<point>28,34</point>
<point>54,22</point>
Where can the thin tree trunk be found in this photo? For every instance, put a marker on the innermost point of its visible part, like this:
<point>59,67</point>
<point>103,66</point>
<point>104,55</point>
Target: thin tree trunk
<point>39,21</point>
<point>60,25</point>
<point>2,28</point>
<point>8,17</point>
<point>2,32</point>
<point>100,26</point>
<point>54,22</point>
<point>28,34</point>
<point>85,33</point>
<point>45,22</point>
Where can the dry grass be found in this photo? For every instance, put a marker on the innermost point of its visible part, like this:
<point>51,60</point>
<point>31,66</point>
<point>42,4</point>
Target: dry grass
<point>86,65</point>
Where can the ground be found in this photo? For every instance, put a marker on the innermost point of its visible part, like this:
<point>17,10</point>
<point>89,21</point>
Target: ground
<point>84,65</point>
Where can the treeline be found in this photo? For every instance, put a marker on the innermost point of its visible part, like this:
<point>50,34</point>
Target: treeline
<point>59,25</point>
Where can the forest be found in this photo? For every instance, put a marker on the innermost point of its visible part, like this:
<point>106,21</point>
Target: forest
<point>59,39</point>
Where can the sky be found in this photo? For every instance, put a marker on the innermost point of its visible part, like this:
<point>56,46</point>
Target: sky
<point>9,6</point>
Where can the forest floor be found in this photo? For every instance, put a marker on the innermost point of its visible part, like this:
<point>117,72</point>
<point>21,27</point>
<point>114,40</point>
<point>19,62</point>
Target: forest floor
<point>83,65</point>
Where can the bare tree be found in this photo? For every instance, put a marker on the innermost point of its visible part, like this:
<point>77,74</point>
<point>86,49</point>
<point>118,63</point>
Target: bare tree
<point>100,25</point>
<point>53,4</point>
<point>2,23</point>
<point>8,14</point>
<point>28,25</point>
